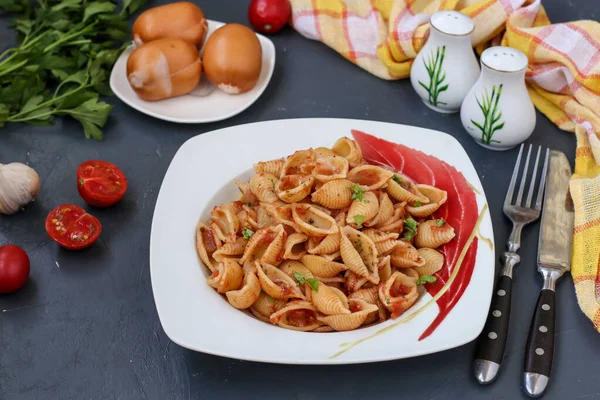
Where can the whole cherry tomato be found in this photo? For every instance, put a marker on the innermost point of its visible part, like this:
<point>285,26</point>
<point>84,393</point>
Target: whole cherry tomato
<point>72,228</point>
<point>14,268</point>
<point>269,16</point>
<point>100,183</point>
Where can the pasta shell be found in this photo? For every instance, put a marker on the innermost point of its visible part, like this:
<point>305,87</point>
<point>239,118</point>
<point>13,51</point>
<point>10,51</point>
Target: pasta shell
<point>290,267</point>
<point>348,149</point>
<point>436,197</point>
<point>294,162</point>
<point>334,194</point>
<point>354,282</point>
<point>360,310</point>
<point>227,276</point>
<point>411,273</point>
<point>277,283</point>
<point>405,255</point>
<point>233,206</point>
<point>400,188</point>
<point>231,250</point>
<point>385,211</point>
<point>328,245</point>
<point>371,296</point>
<point>266,245</point>
<point>359,254</point>
<point>333,256</point>
<point>242,186</point>
<point>340,219</point>
<point>262,185</point>
<point>224,223</point>
<point>369,177</point>
<point>396,226</point>
<point>385,268</point>
<point>265,305</point>
<point>295,246</point>
<point>206,245</point>
<point>323,328</point>
<point>298,315</point>
<point>294,188</point>
<point>247,295</point>
<point>330,301</point>
<point>433,234</point>
<point>322,267</point>
<point>247,219</point>
<point>378,236</point>
<point>323,152</point>
<point>282,213</point>
<point>331,281</point>
<point>313,221</point>
<point>272,167</point>
<point>386,247</point>
<point>398,293</point>
<point>434,261</point>
<point>365,209</point>
<point>264,219</point>
<point>329,168</point>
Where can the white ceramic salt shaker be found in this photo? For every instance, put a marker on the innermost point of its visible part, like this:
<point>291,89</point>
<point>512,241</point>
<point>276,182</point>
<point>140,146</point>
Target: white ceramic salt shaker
<point>446,68</point>
<point>498,112</point>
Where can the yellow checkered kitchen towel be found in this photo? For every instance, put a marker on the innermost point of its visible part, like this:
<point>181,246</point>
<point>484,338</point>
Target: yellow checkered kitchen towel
<point>384,36</point>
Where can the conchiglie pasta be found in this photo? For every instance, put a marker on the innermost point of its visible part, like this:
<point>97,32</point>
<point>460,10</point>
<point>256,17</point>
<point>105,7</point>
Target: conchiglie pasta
<point>206,245</point>
<point>295,246</point>
<point>335,194</point>
<point>398,293</point>
<point>369,177</point>
<point>400,188</point>
<point>434,261</point>
<point>323,152</point>
<point>294,188</point>
<point>363,210</point>
<point>247,294</point>
<point>436,198</point>
<point>227,276</point>
<point>405,255</point>
<point>295,161</point>
<point>263,185</point>
<point>265,306</point>
<point>313,221</point>
<point>298,315</point>
<point>433,234</point>
<point>359,254</point>
<point>290,267</point>
<point>266,245</point>
<point>385,268</point>
<point>384,212</point>
<point>330,301</point>
<point>349,149</point>
<point>322,267</point>
<point>329,168</point>
<point>224,223</point>
<point>360,310</point>
<point>277,283</point>
<point>272,167</point>
<point>231,250</point>
<point>327,245</point>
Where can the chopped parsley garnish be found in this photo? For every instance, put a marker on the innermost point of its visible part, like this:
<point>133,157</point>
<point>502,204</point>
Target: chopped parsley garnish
<point>417,203</point>
<point>270,299</point>
<point>410,228</point>
<point>426,279</point>
<point>247,233</point>
<point>400,182</point>
<point>312,282</point>
<point>273,184</point>
<point>440,222</point>
<point>249,204</point>
<point>359,219</point>
<point>357,193</point>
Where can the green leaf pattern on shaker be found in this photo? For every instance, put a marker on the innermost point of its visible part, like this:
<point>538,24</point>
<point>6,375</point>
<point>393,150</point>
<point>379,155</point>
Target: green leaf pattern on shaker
<point>433,65</point>
<point>491,114</point>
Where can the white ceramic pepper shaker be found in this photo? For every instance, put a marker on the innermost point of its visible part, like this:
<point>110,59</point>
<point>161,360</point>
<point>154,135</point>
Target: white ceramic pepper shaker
<point>498,112</point>
<point>446,68</point>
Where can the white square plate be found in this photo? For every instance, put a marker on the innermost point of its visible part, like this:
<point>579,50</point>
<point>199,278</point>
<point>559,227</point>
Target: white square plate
<point>195,316</point>
<point>207,103</point>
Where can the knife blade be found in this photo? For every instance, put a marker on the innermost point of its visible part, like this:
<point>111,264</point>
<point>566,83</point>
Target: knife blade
<point>554,258</point>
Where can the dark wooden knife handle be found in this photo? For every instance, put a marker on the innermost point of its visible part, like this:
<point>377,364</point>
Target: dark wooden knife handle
<point>540,342</point>
<point>492,341</point>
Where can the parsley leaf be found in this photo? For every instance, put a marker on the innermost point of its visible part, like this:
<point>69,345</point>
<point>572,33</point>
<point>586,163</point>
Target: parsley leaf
<point>357,192</point>
<point>440,222</point>
<point>273,184</point>
<point>312,282</point>
<point>417,203</point>
<point>410,228</point>
<point>299,277</point>
<point>247,233</point>
<point>426,279</point>
<point>396,179</point>
<point>359,219</point>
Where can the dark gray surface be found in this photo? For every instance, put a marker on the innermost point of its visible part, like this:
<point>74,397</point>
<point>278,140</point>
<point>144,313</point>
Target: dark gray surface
<point>85,326</point>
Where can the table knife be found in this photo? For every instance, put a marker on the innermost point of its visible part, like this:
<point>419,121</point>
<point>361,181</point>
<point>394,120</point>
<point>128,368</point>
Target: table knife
<point>554,259</point>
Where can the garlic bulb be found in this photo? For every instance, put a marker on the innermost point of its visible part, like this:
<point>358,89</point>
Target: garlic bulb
<point>19,185</point>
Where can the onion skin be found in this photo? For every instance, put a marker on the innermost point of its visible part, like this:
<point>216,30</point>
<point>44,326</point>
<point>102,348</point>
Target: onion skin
<point>164,68</point>
<point>233,58</point>
<point>182,20</point>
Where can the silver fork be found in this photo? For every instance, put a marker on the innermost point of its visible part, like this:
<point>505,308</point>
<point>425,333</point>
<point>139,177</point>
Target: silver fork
<point>492,341</point>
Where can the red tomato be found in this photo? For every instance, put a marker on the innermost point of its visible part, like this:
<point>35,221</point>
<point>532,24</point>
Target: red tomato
<point>269,16</point>
<point>72,228</point>
<point>100,183</point>
<point>14,268</point>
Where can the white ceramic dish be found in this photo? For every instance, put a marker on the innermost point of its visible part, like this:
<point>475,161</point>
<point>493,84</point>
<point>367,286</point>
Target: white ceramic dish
<point>195,316</point>
<point>207,103</point>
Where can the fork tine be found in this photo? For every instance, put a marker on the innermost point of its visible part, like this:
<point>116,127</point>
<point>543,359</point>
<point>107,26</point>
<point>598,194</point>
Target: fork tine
<point>540,195</point>
<point>513,180</point>
<point>524,177</point>
<point>532,184</point>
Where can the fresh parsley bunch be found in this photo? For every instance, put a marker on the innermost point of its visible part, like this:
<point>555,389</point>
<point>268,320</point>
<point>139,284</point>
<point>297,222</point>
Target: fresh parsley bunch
<point>63,61</point>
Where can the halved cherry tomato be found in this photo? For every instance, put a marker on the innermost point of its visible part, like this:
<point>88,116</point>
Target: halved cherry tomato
<point>100,183</point>
<point>72,228</point>
<point>14,268</point>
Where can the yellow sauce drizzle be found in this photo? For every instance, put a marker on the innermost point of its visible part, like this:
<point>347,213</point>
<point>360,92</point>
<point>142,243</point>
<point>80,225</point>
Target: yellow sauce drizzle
<point>473,187</point>
<point>444,289</point>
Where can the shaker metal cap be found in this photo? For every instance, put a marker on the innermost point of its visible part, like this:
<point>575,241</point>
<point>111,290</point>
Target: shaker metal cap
<point>504,59</point>
<point>452,23</point>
